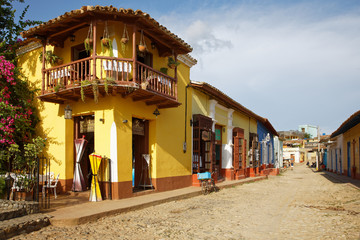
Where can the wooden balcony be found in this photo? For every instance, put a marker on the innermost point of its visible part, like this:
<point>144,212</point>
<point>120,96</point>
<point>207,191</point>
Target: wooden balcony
<point>108,75</point>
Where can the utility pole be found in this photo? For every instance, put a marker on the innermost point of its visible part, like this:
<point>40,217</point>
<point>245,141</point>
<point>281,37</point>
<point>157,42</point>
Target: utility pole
<point>318,153</point>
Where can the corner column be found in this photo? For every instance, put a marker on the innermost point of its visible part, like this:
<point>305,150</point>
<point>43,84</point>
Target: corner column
<point>212,112</point>
<point>228,153</point>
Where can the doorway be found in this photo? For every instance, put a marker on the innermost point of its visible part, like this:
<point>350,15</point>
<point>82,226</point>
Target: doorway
<point>83,68</point>
<point>218,149</point>
<point>84,128</point>
<point>145,58</point>
<point>140,146</point>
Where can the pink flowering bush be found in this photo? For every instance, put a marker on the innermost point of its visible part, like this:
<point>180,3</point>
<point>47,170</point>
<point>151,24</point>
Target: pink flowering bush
<point>6,70</point>
<point>17,113</point>
<point>17,118</point>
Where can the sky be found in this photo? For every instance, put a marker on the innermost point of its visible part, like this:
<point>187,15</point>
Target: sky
<point>293,62</point>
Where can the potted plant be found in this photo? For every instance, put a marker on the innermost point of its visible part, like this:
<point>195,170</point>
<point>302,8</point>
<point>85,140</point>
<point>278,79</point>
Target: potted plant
<point>58,87</point>
<point>172,63</point>
<point>88,44</point>
<point>95,89</point>
<point>125,36</point>
<point>142,44</point>
<point>164,70</point>
<point>107,81</point>
<point>142,48</point>
<point>51,58</point>
<point>106,41</point>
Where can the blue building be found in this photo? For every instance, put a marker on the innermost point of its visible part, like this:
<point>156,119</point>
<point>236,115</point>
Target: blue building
<point>266,134</point>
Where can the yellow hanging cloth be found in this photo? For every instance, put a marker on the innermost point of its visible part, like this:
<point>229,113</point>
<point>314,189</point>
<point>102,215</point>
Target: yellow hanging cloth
<point>95,194</point>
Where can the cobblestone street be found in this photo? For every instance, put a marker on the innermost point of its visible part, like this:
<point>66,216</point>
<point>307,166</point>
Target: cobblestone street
<point>298,204</point>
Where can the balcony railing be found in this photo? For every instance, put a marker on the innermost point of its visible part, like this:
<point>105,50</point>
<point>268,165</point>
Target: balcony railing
<point>117,70</point>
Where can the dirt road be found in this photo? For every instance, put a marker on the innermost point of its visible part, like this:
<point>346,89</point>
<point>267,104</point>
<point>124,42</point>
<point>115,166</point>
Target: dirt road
<point>299,204</point>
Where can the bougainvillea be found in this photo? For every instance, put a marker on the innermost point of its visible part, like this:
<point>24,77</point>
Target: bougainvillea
<point>15,116</point>
<point>17,113</point>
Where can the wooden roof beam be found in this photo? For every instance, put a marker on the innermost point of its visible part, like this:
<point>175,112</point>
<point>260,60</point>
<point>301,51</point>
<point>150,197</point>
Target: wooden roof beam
<point>169,105</point>
<point>68,29</point>
<point>135,99</point>
<point>65,97</point>
<point>155,102</point>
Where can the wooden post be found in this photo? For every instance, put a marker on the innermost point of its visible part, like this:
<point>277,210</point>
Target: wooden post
<point>175,76</point>
<point>43,68</point>
<point>94,50</point>
<point>134,52</point>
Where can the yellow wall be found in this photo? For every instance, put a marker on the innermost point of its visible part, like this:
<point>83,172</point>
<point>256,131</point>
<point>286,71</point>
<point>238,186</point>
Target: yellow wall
<point>247,123</point>
<point>200,102</point>
<point>166,132</point>
<point>349,136</point>
<point>200,105</point>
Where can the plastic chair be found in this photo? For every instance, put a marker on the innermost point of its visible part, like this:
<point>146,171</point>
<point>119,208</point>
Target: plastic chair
<point>51,185</point>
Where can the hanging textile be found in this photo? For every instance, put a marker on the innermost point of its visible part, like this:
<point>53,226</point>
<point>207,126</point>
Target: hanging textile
<point>79,182</point>
<point>95,194</point>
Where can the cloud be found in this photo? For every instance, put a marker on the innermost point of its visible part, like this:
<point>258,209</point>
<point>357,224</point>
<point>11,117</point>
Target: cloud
<point>298,64</point>
<point>203,38</point>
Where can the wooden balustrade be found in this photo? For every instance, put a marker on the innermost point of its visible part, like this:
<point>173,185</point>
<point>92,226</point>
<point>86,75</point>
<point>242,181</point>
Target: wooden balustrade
<point>156,81</point>
<point>67,75</point>
<point>118,70</point>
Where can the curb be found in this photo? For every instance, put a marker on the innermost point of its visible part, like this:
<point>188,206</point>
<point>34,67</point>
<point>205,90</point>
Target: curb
<point>341,180</point>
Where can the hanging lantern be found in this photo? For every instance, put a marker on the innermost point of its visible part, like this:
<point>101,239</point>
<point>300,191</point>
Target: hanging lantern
<point>68,112</point>
<point>156,112</point>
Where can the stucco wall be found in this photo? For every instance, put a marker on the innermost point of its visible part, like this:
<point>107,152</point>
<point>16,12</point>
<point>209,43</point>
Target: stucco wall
<point>166,132</point>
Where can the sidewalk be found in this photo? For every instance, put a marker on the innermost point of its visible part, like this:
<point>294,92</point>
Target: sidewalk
<point>344,179</point>
<point>91,211</point>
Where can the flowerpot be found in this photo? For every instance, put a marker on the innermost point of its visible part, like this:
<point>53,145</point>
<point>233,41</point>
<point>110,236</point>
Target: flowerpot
<point>142,48</point>
<point>88,41</point>
<point>124,40</point>
<point>105,41</point>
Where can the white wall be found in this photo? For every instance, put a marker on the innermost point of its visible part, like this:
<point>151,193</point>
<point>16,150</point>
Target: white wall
<point>288,151</point>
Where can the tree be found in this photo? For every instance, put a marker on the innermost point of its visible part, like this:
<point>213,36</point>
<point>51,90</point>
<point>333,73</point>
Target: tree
<point>17,113</point>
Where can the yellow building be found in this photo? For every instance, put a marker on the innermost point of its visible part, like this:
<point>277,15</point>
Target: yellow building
<point>347,139</point>
<point>112,70</point>
<point>225,135</point>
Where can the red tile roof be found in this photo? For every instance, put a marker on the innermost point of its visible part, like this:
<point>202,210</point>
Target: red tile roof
<point>229,102</point>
